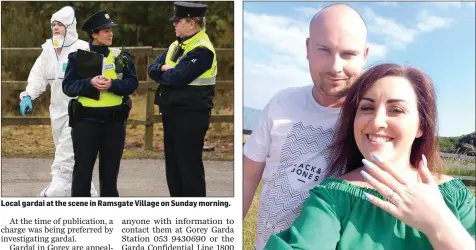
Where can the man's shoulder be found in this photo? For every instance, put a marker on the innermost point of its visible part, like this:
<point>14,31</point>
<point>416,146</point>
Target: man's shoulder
<point>291,96</point>
<point>300,91</point>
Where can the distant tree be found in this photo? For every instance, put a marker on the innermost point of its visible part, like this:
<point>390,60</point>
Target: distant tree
<point>466,144</point>
<point>448,144</point>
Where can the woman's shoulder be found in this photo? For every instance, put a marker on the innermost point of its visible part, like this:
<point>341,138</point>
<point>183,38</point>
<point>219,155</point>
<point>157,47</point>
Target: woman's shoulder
<point>452,187</point>
<point>443,178</point>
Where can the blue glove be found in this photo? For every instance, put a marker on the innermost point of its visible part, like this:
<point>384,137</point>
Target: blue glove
<point>25,105</point>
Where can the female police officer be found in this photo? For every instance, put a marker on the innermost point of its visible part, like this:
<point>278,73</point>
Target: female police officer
<point>186,72</point>
<point>99,114</point>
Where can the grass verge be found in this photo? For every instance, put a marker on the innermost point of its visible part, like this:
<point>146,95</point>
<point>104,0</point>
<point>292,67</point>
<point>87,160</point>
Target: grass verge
<point>37,142</point>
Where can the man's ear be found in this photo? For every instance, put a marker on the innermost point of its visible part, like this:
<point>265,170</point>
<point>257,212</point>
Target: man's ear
<point>366,52</point>
<point>308,43</point>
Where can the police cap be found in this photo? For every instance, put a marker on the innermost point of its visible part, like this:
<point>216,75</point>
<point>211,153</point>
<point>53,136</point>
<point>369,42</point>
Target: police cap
<point>186,9</point>
<point>99,20</point>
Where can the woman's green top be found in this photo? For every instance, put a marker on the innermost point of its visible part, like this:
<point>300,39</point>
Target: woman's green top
<point>337,216</point>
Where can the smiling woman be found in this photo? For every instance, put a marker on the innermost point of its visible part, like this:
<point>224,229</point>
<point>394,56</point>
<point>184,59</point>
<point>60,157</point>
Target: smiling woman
<point>391,103</point>
<point>397,199</point>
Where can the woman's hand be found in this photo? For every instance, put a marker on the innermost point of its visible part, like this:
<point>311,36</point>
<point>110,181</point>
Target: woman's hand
<point>104,84</point>
<point>101,83</point>
<point>419,205</point>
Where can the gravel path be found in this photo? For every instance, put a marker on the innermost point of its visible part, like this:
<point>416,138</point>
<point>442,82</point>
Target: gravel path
<point>142,177</point>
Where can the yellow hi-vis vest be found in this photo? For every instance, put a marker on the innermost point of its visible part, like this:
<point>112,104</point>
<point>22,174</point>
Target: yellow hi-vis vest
<point>106,99</point>
<point>199,40</point>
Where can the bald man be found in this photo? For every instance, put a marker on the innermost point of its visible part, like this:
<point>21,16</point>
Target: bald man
<point>286,151</point>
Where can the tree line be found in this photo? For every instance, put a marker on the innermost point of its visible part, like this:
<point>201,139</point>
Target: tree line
<point>27,24</point>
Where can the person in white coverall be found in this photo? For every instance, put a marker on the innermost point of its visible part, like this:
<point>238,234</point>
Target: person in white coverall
<point>49,68</point>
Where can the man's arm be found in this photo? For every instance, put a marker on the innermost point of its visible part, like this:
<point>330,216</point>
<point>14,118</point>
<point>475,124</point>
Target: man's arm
<point>189,68</point>
<point>255,152</point>
<point>252,172</point>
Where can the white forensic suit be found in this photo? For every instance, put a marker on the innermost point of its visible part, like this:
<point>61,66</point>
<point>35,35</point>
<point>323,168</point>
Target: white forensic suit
<point>49,68</point>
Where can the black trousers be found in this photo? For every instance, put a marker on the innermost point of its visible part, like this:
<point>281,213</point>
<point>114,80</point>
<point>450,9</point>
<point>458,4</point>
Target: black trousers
<point>184,135</point>
<point>89,138</point>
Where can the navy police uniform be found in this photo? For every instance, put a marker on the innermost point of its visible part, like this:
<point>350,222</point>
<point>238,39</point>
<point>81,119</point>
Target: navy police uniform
<point>185,99</point>
<point>99,124</point>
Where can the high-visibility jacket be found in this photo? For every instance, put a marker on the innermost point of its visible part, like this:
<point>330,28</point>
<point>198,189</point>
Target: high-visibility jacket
<point>200,39</point>
<point>106,99</point>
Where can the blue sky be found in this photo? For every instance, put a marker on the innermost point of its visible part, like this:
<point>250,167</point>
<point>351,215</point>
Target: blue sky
<point>438,37</point>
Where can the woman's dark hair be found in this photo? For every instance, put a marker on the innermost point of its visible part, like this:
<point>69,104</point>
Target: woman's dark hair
<point>344,153</point>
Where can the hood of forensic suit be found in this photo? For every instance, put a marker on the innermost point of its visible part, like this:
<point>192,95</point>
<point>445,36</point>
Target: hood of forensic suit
<point>67,17</point>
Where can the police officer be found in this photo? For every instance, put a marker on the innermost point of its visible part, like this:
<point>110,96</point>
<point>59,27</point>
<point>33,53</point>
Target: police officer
<point>186,72</point>
<point>100,112</point>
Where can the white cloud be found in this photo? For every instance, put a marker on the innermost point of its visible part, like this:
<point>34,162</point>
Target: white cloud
<point>428,22</point>
<point>307,11</point>
<point>284,37</point>
<point>279,74</point>
<point>397,35</point>
<point>394,34</point>
<point>282,34</point>
<point>284,61</point>
<point>377,50</point>
<point>263,80</point>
